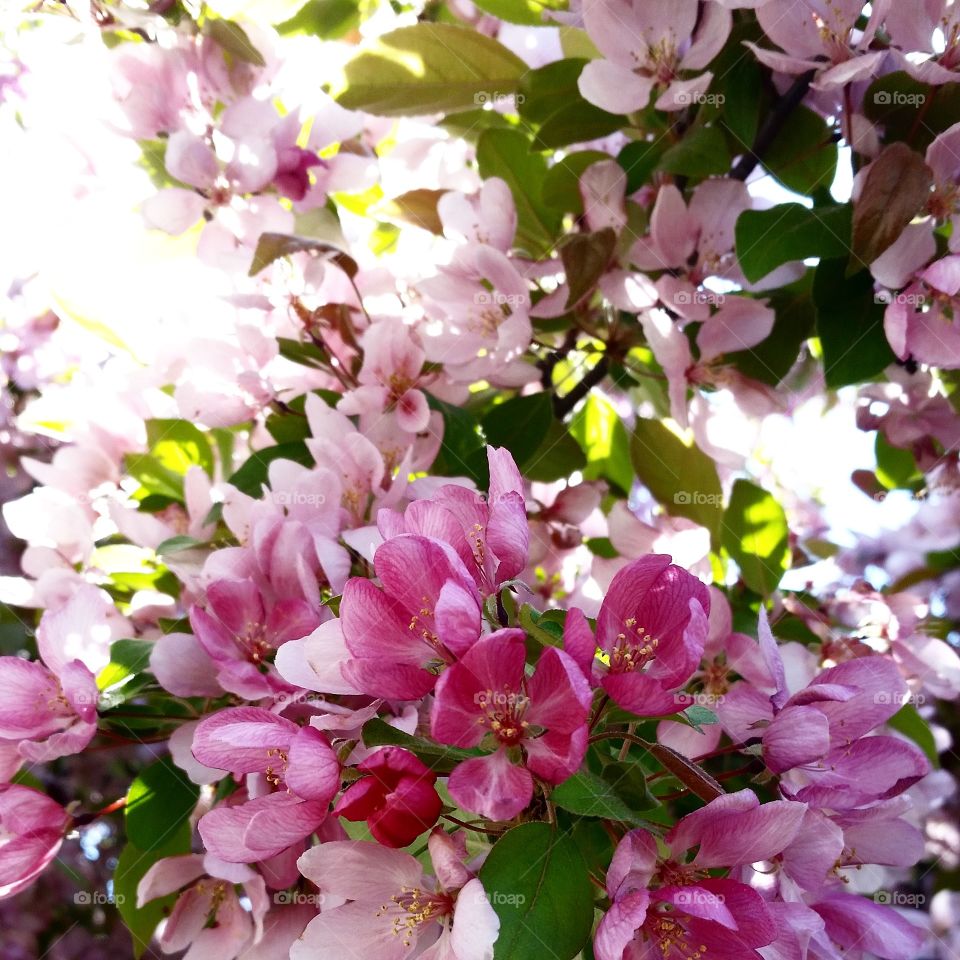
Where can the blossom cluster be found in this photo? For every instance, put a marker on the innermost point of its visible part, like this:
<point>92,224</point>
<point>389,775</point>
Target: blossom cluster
<point>418,545</point>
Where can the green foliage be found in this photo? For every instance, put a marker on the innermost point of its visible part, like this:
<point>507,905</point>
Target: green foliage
<point>681,477</point>
<point>766,239</point>
<point>173,446</point>
<point>131,867</point>
<point>159,800</point>
<point>803,156</point>
<point>605,441</point>
<point>429,68</point>
<point>537,882</point>
<point>849,324</point>
<point>510,155</point>
<point>755,534</point>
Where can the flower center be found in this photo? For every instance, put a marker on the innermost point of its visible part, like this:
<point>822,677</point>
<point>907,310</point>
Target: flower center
<point>412,908</point>
<point>634,649</point>
<point>440,655</point>
<point>502,711</point>
<point>670,936</point>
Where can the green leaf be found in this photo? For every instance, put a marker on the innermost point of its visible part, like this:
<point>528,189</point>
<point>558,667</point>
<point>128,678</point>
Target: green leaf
<point>849,324</point>
<point>909,722</point>
<point>528,12</point>
<point>789,231</point>
<point>252,475</point>
<point>133,863</point>
<point>698,717</point>
<point>906,109</point>
<point>548,89</point>
<point>537,883</point>
<point>896,468</point>
<point>233,38</point>
<point>639,161</point>
<point>437,756</point>
<point>586,257</point>
<point>802,156</point>
<point>509,154</point>
<point>702,152</point>
<point>127,657</point>
<point>327,19</point>
<point>558,456</point>
<point>178,445</point>
<point>605,441</point>
<point>519,424</point>
<point>272,246</point>
<point>588,795</point>
<point>153,476</point>
<point>546,626</point>
<point>429,68</point>
<point>681,477</point>
<point>462,452</point>
<point>158,801</point>
<point>755,534</point>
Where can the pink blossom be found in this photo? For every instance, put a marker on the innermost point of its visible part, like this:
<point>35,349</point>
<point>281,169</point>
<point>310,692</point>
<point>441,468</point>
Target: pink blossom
<point>678,908</point>
<point>545,716</point>
<point>648,47</point>
<point>239,632</point>
<point>652,625</point>
<point>208,917</point>
<point>426,616</point>
<point>392,362</point>
<point>393,909</point>
<point>31,831</point>
<point>490,534</point>
<point>292,775</point>
<point>821,36</point>
<point>49,716</point>
<point>477,318</point>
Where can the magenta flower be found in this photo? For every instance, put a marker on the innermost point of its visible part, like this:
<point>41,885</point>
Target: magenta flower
<point>818,736</point>
<point>293,775</point>
<point>490,534</point>
<point>240,634</point>
<point>652,626</point>
<point>426,615</point>
<point>398,798</point>
<point>46,715</point>
<point>672,907</point>
<point>31,831</point>
<point>538,725</point>
<point>391,910</point>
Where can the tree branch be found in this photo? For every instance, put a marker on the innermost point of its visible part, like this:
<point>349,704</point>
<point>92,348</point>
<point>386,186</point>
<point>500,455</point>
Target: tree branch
<point>772,126</point>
